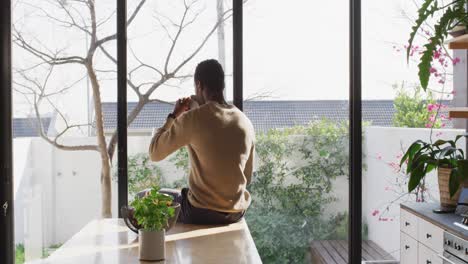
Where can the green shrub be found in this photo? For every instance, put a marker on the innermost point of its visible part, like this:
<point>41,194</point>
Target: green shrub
<point>181,162</point>
<point>142,173</point>
<point>19,254</point>
<point>411,108</point>
<point>292,187</point>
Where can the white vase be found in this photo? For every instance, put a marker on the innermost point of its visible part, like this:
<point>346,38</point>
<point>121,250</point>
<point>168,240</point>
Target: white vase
<point>152,245</point>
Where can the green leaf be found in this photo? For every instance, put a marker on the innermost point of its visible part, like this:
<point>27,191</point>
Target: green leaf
<point>425,64</point>
<point>410,152</point>
<point>447,151</point>
<point>421,159</point>
<point>418,157</point>
<point>454,181</point>
<point>424,13</point>
<point>439,142</point>
<point>462,166</point>
<point>441,31</point>
<point>430,167</point>
<point>415,177</point>
<point>153,211</point>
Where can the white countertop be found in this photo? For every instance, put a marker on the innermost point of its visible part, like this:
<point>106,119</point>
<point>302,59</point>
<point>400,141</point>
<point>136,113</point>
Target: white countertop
<point>110,241</point>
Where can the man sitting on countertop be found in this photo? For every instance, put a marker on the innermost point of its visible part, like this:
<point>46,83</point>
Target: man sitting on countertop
<point>220,141</point>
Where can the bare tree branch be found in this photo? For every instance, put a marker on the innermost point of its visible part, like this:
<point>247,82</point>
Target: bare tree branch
<point>144,64</point>
<point>52,59</point>
<point>38,91</point>
<point>180,28</point>
<point>129,81</point>
<point>260,96</point>
<point>227,15</point>
<point>129,21</point>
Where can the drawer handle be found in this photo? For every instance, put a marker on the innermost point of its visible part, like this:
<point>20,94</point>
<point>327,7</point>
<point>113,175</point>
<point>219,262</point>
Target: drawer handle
<point>428,262</point>
<point>406,247</point>
<point>428,235</point>
<point>407,224</point>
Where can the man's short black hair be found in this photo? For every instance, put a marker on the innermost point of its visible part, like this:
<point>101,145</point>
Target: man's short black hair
<point>210,74</point>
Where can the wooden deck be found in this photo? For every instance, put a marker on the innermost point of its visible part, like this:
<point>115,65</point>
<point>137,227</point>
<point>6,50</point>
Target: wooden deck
<point>336,251</point>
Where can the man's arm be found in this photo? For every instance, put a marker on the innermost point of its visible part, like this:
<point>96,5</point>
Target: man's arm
<point>174,134</point>
<point>249,166</point>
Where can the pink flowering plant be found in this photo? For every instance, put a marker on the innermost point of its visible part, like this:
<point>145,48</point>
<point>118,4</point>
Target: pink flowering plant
<point>423,157</point>
<point>452,15</point>
<point>398,187</point>
<point>434,20</point>
<point>418,109</point>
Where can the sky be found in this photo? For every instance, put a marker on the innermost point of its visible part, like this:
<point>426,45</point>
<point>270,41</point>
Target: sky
<point>294,50</point>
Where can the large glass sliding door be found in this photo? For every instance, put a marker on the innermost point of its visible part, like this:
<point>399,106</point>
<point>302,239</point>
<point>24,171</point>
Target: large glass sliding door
<point>295,91</point>
<point>393,91</point>
<point>296,95</point>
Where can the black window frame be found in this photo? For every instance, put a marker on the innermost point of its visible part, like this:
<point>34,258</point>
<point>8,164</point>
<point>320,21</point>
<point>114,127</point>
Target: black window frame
<point>7,229</point>
<point>355,134</point>
<point>7,250</point>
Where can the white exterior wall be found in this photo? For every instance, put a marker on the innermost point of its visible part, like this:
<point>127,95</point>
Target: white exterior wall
<point>64,187</point>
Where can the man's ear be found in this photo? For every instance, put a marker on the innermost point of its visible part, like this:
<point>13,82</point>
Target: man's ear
<point>199,85</point>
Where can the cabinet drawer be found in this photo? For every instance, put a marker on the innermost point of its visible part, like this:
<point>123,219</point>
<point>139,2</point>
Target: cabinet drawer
<point>427,256</point>
<point>409,223</point>
<point>408,249</point>
<point>431,236</point>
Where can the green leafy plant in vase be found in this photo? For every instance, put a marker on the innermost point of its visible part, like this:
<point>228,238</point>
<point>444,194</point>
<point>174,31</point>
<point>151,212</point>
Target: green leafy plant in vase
<point>452,17</point>
<point>152,212</point>
<point>443,156</point>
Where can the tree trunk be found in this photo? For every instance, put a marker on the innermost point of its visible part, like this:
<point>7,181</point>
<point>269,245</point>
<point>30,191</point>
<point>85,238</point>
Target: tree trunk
<point>131,117</point>
<point>106,191</point>
<point>221,39</point>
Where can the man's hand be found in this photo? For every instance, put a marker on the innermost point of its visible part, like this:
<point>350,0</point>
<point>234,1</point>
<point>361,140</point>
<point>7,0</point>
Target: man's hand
<point>181,106</point>
<point>194,102</point>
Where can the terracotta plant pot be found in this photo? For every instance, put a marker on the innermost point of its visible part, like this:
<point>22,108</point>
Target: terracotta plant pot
<point>152,245</point>
<point>447,202</point>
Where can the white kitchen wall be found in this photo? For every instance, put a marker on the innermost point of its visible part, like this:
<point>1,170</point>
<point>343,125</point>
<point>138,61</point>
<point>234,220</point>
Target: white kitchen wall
<point>384,146</point>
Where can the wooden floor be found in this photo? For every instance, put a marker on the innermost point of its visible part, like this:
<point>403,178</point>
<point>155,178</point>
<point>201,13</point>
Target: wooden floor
<point>336,251</point>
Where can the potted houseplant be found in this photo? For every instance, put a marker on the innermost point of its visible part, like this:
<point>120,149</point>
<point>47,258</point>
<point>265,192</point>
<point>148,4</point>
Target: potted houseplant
<point>443,156</point>
<point>453,16</point>
<point>152,213</point>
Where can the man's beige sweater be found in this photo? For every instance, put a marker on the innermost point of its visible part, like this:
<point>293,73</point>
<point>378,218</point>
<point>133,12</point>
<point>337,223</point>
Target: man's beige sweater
<point>220,141</point>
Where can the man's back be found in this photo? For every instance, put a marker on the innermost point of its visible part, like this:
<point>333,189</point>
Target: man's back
<point>220,140</point>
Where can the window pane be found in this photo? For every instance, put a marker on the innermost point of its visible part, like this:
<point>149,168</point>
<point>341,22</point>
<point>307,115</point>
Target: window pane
<point>405,112</point>
<point>61,77</point>
<point>166,42</point>
<point>296,95</point>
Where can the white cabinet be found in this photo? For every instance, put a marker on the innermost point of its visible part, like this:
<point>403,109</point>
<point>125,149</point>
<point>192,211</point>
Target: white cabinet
<point>409,224</point>
<point>408,249</point>
<point>427,256</point>
<point>431,236</point>
<point>420,240</point>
